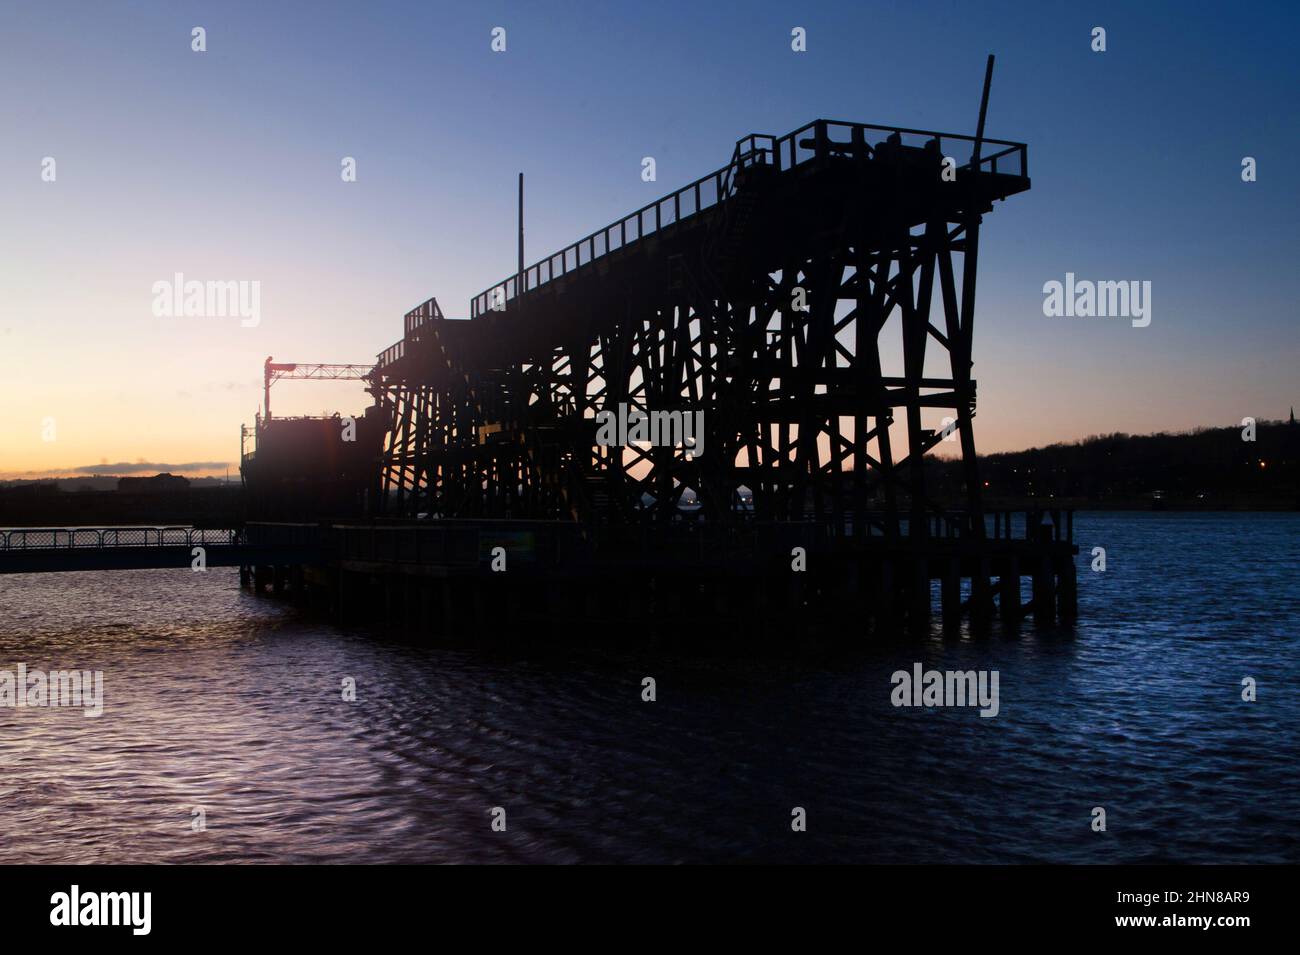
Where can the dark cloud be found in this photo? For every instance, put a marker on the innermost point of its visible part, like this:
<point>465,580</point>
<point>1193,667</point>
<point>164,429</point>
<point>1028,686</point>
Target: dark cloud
<point>124,467</point>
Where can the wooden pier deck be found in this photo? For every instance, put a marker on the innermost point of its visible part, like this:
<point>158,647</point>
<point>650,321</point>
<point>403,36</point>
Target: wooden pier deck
<point>463,576</point>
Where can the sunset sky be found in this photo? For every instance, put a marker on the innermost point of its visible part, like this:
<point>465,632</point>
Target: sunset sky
<point>225,165</point>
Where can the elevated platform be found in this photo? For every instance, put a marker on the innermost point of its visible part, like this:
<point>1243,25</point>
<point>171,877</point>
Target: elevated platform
<point>445,576</point>
<point>828,166</point>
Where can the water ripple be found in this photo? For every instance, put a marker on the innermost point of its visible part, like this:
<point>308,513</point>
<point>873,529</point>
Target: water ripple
<point>223,703</point>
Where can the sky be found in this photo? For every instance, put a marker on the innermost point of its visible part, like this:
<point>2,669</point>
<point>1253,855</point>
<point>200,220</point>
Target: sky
<point>225,165</point>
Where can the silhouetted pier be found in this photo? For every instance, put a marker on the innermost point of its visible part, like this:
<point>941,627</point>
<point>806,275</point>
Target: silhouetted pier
<point>811,304</point>
<point>768,296</point>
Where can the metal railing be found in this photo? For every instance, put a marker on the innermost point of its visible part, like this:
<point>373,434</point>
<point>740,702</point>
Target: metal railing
<point>422,313</point>
<point>391,354</point>
<point>782,153</point>
<point>412,322</point>
<point>69,538</point>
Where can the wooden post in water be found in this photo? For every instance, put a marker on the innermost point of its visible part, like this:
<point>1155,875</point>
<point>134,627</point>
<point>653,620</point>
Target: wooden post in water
<point>885,615</point>
<point>426,601</point>
<point>1044,582</point>
<point>445,606</point>
<point>951,594</point>
<point>919,594</point>
<point>1068,591</point>
<point>981,593</point>
<point>1009,585</point>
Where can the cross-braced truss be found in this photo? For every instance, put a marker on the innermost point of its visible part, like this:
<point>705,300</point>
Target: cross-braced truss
<point>814,299</point>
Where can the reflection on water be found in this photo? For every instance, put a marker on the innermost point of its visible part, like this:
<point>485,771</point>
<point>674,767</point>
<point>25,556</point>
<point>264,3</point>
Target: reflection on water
<point>220,701</point>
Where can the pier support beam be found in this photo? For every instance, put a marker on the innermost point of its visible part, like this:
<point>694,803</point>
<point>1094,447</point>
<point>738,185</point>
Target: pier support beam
<point>981,595</point>
<point>1009,588</point>
<point>884,604</point>
<point>1044,583</point>
<point>919,595</point>
<point>951,599</point>
<point>1067,590</point>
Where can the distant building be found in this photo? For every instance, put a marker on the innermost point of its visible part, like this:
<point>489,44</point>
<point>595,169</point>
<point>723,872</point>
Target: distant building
<point>157,484</point>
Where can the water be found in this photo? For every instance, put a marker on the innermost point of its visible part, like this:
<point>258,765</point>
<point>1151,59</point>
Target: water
<point>220,701</point>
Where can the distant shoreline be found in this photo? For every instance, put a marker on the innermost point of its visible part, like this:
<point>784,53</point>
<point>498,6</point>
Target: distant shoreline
<point>1182,507</point>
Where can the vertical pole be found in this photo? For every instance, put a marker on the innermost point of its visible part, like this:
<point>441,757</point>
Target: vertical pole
<point>266,389</point>
<point>962,343</point>
<point>984,107</point>
<point>519,282</point>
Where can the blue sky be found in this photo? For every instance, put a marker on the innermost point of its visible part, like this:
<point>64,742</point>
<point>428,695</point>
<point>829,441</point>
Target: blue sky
<point>226,164</point>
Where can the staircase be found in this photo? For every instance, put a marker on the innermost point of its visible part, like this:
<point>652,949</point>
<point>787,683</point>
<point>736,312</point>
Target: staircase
<point>728,231</point>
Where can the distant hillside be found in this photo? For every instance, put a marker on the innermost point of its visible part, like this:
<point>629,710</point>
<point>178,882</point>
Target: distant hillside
<point>1205,468</point>
<point>104,482</point>
<point>54,504</point>
<point>1209,468</point>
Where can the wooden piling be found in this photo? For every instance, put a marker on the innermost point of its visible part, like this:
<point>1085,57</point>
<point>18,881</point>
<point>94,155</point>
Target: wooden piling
<point>1068,589</point>
<point>1009,587</point>
<point>1044,584</point>
<point>884,604</point>
<point>951,594</point>
<point>981,594</point>
<point>919,594</point>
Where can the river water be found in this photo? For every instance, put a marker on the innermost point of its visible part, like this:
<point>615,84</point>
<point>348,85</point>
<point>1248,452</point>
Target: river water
<point>225,736</point>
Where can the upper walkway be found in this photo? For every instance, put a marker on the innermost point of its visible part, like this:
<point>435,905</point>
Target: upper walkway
<point>822,140</point>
